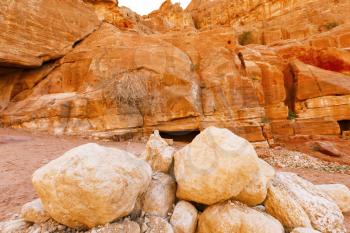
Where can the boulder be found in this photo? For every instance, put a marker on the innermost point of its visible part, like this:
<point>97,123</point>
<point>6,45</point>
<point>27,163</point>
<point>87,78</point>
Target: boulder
<point>304,230</point>
<point>296,202</point>
<point>327,148</point>
<point>234,217</point>
<point>155,224</point>
<point>216,166</point>
<point>255,192</point>
<point>184,218</point>
<point>160,195</point>
<point>158,153</point>
<point>91,185</point>
<point>34,212</point>
<point>339,193</point>
<point>125,226</point>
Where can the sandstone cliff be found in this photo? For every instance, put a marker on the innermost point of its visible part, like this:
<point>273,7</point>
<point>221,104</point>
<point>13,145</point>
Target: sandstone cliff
<point>95,69</point>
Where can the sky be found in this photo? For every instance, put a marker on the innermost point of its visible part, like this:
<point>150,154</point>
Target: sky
<point>143,7</point>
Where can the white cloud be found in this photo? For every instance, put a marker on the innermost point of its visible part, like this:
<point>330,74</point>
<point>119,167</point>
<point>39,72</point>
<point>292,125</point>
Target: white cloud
<point>144,7</point>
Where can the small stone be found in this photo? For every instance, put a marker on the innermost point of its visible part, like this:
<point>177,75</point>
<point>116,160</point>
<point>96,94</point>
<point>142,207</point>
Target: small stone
<point>34,212</point>
<point>160,195</point>
<point>184,218</point>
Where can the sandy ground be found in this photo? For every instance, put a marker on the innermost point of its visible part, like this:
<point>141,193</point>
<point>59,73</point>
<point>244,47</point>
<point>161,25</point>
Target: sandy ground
<point>21,153</point>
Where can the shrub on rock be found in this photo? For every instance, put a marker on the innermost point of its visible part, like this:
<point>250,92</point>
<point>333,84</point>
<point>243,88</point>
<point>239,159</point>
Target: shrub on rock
<point>339,193</point>
<point>91,185</point>
<point>296,202</point>
<point>184,218</point>
<point>214,167</point>
<point>160,195</point>
<point>34,212</point>
<point>234,217</point>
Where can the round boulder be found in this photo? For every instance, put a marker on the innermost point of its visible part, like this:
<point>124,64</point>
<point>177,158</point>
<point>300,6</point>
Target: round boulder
<point>234,217</point>
<point>214,167</point>
<point>91,185</point>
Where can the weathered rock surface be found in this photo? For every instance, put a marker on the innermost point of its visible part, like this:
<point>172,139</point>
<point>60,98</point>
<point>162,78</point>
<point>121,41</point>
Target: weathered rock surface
<point>214,167</point>
<point>34,212</point>
<point>296,202</point>
<point>304,230</point>
<point>194,73</point>
<point>155,224</point>
<point>91,185</point>
<point>160,195</point>
<point>158,153</point>
<point>34,32</point>
<point>100,92</point>
<point>184,218</point>
<point>169,17</point>
<point>233,217</point>
<point>339,193</point>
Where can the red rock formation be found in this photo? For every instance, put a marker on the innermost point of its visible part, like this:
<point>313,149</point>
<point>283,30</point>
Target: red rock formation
<point>180,70</point>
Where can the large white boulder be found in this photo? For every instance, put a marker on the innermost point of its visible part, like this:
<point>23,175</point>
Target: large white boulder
<point>160,195</point>
<point>214,167</point>
<point>339,193</point>
<point>295,202</point>
<point>158,153</point>
<point>34,212</point>
<point>91,185</point>
<point>184,218</point>
<point>234,217</point>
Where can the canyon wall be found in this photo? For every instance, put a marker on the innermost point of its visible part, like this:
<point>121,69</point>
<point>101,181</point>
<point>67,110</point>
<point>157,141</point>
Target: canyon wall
<point>96,69</point>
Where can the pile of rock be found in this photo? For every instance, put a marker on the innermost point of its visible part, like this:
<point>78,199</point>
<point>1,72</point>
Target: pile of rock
<point>215,184</point>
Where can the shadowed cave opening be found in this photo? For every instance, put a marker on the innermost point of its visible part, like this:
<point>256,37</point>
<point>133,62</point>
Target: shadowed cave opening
<point>180,136</point>
<point>344,125</point>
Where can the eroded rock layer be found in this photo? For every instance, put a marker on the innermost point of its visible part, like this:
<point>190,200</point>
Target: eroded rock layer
<point>175,69</point>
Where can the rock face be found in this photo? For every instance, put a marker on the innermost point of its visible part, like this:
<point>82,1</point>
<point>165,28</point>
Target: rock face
<point>160,195</point>
<point>184,218</point>
<point>102,93</point>
<point>183,70</point>
<point>125,226</point>
<point>50,28</point>
<point>91,185</point>
<point>339,193</point>
<point>271,21</point>
<point>234,217</point>
<point>158,153</point>
<point>214,167</point>
<point>34,212</point>
<point>296,202</point>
